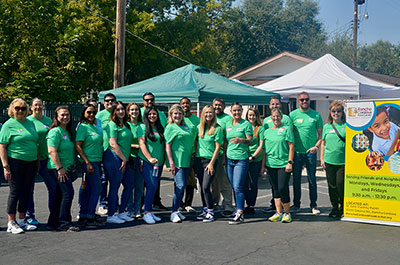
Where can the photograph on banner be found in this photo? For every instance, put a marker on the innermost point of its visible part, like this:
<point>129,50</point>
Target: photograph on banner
<point>372,172</point>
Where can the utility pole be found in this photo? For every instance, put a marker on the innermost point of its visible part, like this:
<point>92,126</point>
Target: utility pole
<point>119,57</point>
<point>355,25</point>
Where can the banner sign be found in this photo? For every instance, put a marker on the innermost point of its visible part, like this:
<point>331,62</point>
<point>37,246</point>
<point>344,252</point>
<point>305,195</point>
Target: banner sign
<point>372,170</point>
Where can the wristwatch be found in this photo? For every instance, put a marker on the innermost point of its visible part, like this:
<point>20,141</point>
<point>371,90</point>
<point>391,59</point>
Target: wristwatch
<point>291,162</point>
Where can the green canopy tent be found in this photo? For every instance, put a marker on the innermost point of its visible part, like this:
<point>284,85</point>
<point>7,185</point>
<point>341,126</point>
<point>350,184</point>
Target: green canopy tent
<point>197,83</point>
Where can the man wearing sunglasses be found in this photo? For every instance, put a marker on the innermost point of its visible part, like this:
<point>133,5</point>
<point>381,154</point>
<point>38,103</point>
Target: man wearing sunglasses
<point>104,117</point>
<point>307,125</point>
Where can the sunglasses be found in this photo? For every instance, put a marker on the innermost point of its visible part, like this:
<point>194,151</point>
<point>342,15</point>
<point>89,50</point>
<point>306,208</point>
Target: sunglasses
<point>304,99</point>
<point>148,99</point>
<point>90,112</point>
<point>336,111</point>
<point>20,108</point>
<point>109,100</point>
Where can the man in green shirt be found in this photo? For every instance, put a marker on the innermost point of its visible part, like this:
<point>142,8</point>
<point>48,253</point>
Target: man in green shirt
<point>104,117</point>
<point>221,185</point>
<point>191,121</point>
<point>307,125</point>
<point>149,100</point>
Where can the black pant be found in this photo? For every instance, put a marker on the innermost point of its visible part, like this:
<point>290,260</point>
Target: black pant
<point>60,214</point>
<point>280,183</point>
<point>335,178</point>
<point>205,180</point>
<point>22,175</point>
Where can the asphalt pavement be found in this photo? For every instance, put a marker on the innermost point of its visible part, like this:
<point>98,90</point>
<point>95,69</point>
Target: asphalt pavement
<point>308,239</point>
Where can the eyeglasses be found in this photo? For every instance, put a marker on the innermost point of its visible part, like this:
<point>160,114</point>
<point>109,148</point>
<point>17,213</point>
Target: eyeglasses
<point>336,111</point>
<point>90,112</point>
<point>304,99</point>
<point>20,108</point>
<point>148,99</point>
<point>109,100</point>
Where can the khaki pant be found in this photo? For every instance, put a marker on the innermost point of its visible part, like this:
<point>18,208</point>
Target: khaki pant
<point>221,189</point>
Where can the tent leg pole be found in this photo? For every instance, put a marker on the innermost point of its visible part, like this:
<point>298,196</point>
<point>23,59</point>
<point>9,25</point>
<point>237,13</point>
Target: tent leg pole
<point>198,109</point>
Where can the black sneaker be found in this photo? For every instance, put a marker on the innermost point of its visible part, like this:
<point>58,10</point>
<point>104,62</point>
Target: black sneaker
<point>334,213</point>
<point>159,207</point>
<point>249,210</point>
<point>227,213</point>
<point>208,218</point>
<point>238,219</point>
<point>269,209</point>
<point>201,216</point>
<point>82,222</point>
<point>94,223</point>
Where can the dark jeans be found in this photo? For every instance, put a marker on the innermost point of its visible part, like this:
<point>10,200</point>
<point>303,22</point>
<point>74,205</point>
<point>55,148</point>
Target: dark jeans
<point>251,183</point>
<point>89,195</point>
<point>60,213</point>
<point>279,180</point>
<point>205,180</point>
<point>22,176</point>
<point>104,179</point>
<point>135,202</point>
<point>310,162</point>
<point>335,178</point>
<point>43,172</point>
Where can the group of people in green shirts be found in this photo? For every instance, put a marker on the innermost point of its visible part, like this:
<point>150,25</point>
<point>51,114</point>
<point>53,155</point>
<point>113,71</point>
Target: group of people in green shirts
<point>130,145</point>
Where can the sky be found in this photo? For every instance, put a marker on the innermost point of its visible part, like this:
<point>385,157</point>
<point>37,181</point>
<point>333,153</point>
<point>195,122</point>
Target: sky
<point>383,21</point>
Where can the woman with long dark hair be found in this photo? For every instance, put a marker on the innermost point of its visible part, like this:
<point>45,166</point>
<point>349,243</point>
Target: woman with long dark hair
<point>116,163</point>
<point>62,154</point>
<point>89,145</point>
<point>151,158</point>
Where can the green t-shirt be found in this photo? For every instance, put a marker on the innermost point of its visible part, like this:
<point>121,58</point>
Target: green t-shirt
<point>92,141</point>
<point>181,140</point>
<point>124,137</point>
<point>161,115</point>
<point>238,151</point>
<point>206,145</point>
<point>21,139</point>
<point>286,121</point>
<point>42,127</point>
<point>255,143</point>
<point>222,120</point>
<point>276,147</point>
<point>305,125</point>
<point>59,138</point>
<point>334,147</point>
<point>134,127</point>
<point>192,123</point>
<point>156,148</point>
<point>104,117</point>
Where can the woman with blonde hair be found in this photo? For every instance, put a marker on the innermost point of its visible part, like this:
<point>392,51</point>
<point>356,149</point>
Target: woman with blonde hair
<point>209,140</point>
<point>255,159</point>
<point>179,143</point>
<point>333,155</point>
<point>19,156</point>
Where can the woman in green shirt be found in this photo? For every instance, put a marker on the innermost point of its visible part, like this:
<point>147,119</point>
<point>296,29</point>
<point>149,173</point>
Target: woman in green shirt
<point>89,145</point>
<point>209,140</point>
<point>255,159</point>
<point>333,155</point>
<point>134,120</point>
<point>278,162</point>
<point>115,163</point>
<point>19,156</point>
<point>239,134</point>
<point>62,154</point>
<point>42,125</point>
<point>179,143</point>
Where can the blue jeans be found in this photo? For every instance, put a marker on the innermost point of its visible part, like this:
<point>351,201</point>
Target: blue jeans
<point>89,195</point>
<point>60,213</point>
<point>51,185</point>
<point>251,183</point>
<point>135,202</point>
<point>146,170</point>
<point>237,173</point>
<point>112,163</point>
<point>180,178</point>
<point>105,177</point>
<point>310,161</point>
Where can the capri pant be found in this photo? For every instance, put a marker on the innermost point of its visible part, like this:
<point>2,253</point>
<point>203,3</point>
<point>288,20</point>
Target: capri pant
<point>279,180</point>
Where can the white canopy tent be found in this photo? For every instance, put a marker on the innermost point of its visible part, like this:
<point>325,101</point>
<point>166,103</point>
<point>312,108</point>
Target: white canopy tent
<point>328,79</point>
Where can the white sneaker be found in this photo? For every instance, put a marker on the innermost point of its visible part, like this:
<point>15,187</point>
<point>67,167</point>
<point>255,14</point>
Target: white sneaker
<point>190,209</point>
<point>14,228</point>
<point>125,217</point>
<point>102,210</point>
<point>156,218</point>
<point>181,216</point>
<point>148,218</point>
<point>315,211</point>
<point>114,220</point>
<point>175,217</point>
<point>25,226</point>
